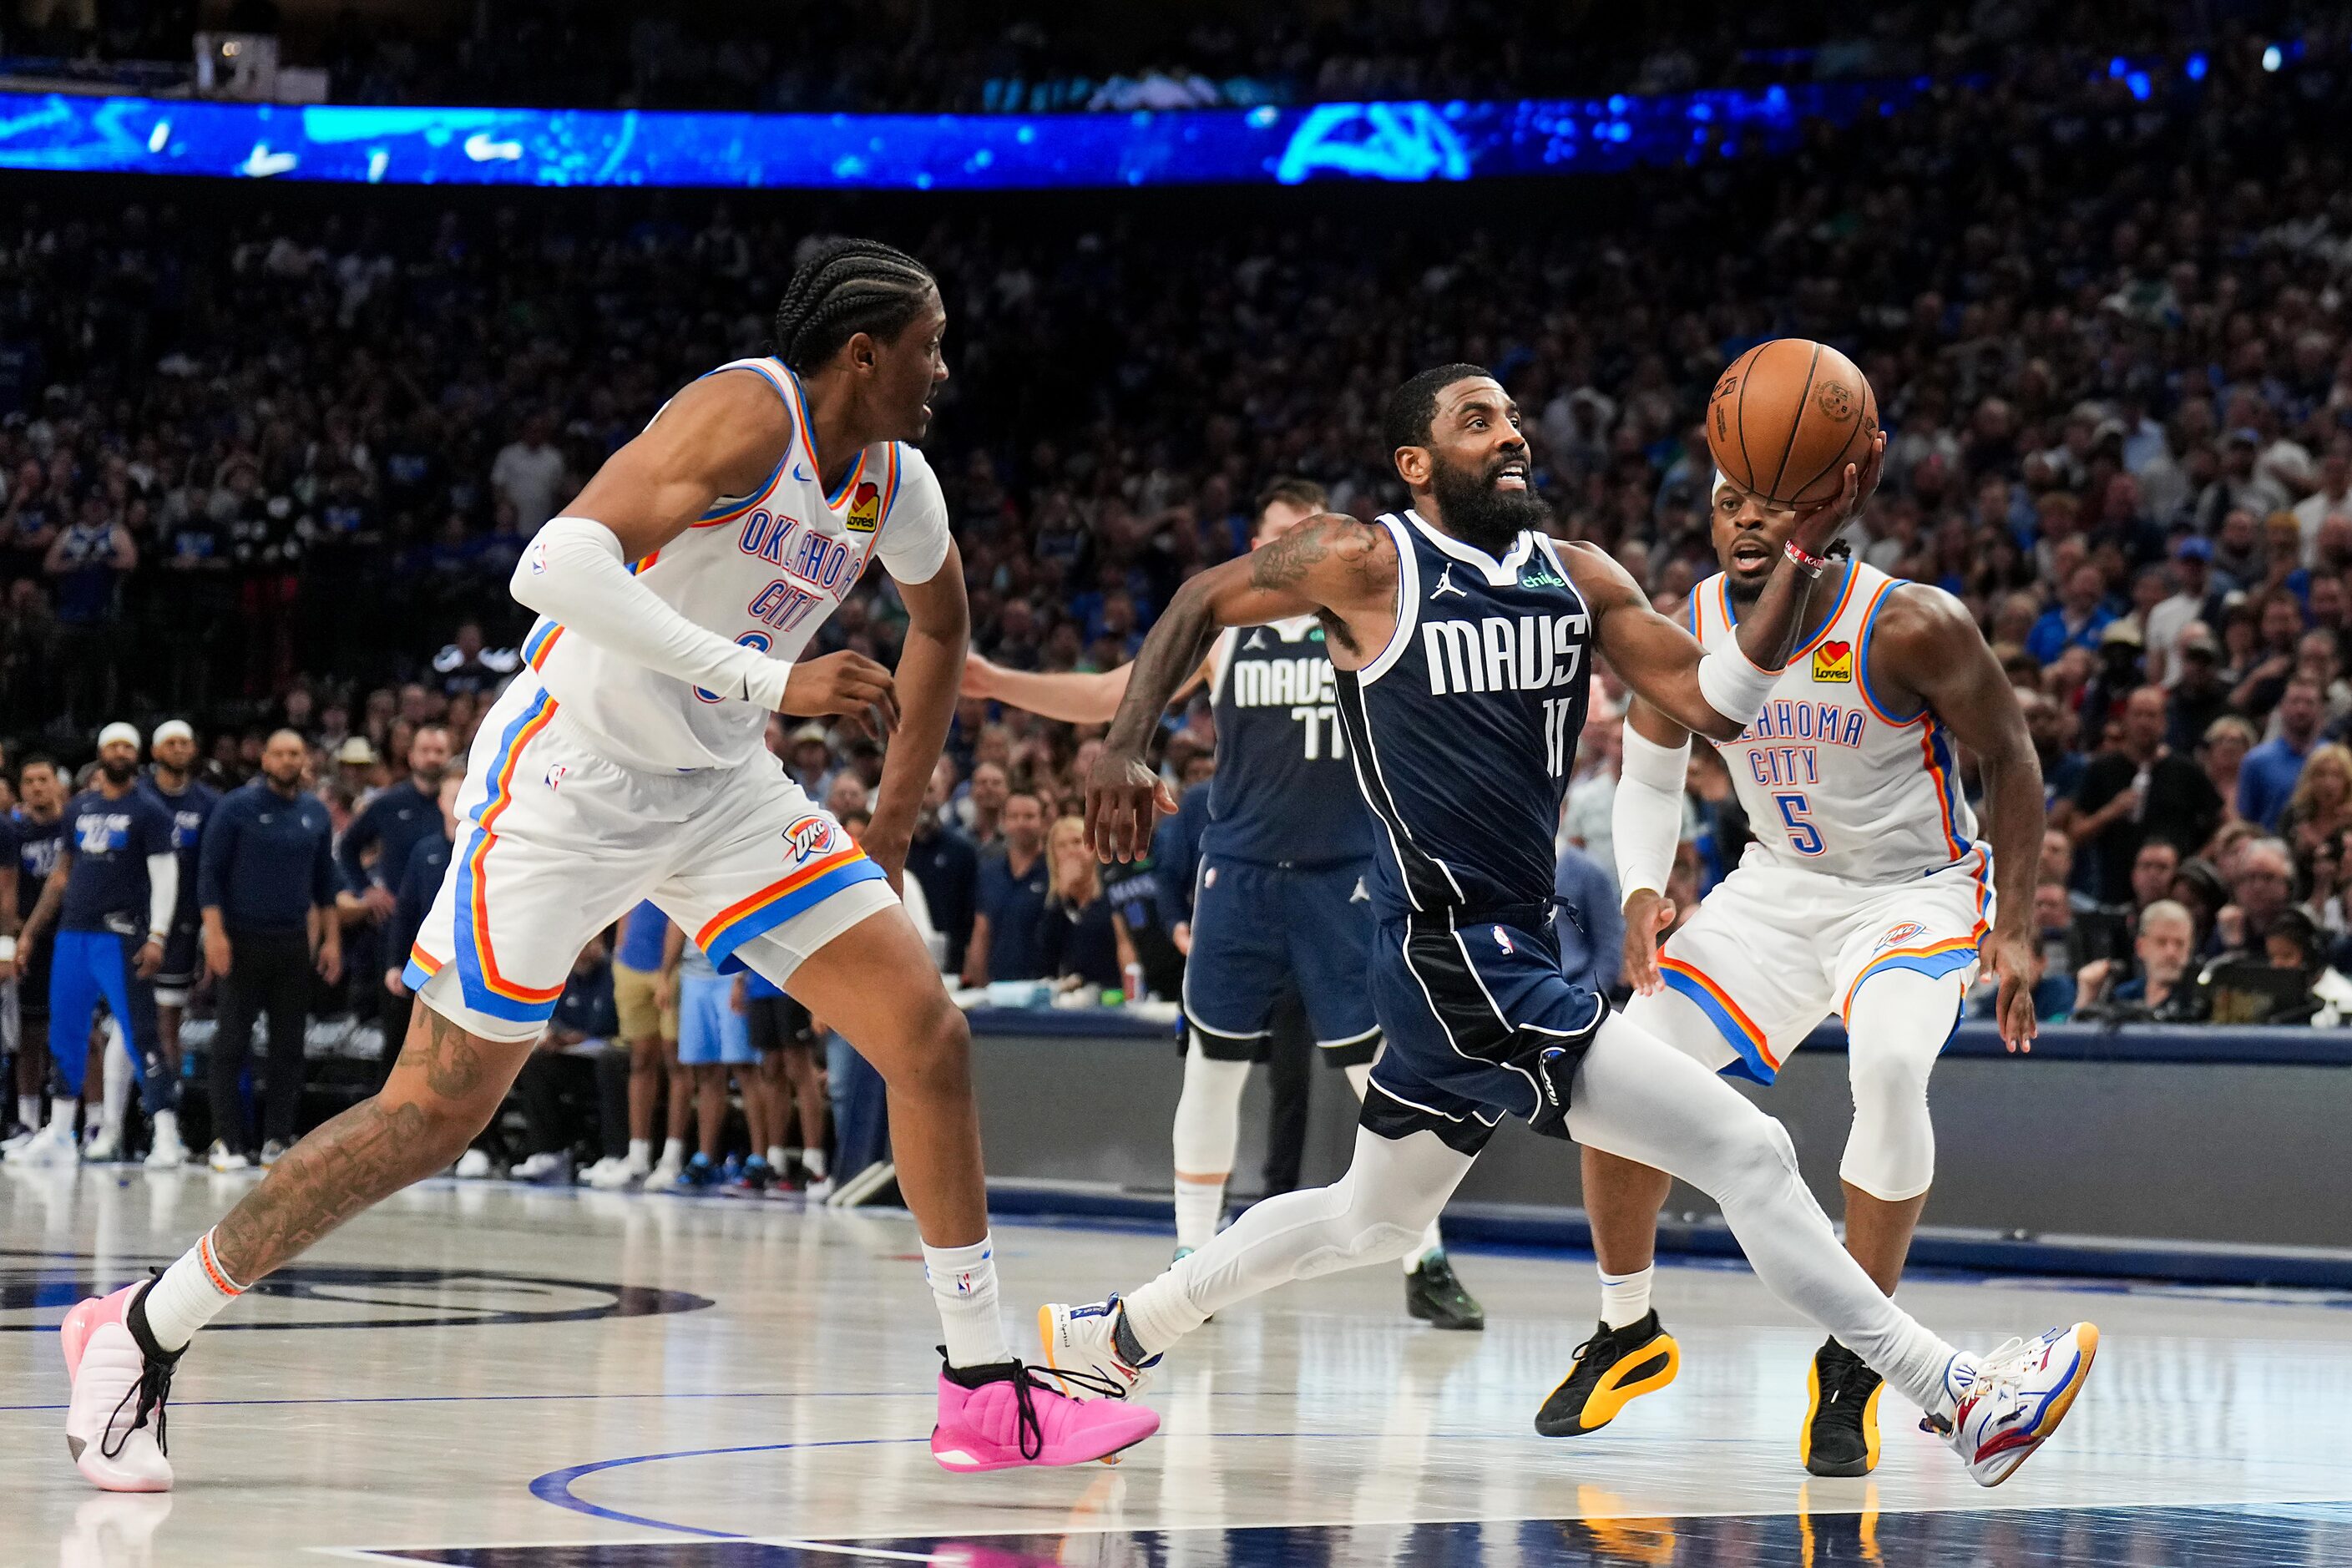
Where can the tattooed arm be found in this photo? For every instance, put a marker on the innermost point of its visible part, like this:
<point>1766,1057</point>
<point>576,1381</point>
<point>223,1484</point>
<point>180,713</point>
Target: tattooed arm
<point>1340,570</point>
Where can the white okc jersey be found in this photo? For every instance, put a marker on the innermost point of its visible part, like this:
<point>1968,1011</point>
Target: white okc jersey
<point>764,569</point>
<point>1833,778</point>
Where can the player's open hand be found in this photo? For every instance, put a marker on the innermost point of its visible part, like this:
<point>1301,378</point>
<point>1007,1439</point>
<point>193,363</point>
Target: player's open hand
<point>1648,915</point>
<point>1822,522</point>
<point>149,960</point>
<point>2017,966</point>
<point>843,685</point>
<point>1125,796</point>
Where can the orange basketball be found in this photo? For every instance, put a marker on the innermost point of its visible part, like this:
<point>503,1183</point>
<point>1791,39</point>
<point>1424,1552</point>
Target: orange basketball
<point>1787,418</point>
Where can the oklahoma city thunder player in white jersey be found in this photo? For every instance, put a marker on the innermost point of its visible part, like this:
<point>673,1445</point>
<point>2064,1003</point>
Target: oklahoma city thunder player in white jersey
<point>675,600</point>
<point>1867,895</point>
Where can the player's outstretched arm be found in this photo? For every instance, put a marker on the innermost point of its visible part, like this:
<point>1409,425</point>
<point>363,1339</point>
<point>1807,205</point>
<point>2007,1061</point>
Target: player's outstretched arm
<point>722,436</point>
<point>1926,651</point>
<point>1074,697</point>
<point>1330,566</point>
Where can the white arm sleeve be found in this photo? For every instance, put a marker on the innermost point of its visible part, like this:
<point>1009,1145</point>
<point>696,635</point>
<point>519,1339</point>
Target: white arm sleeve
<point>1733,685</point>
<point>1646,815</point>
<point>575,572</point>
<point>162,892</point>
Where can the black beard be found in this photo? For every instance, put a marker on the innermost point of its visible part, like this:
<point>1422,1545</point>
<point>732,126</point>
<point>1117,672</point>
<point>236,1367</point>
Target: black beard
<point>1475,512</point>
<point>118,773</point>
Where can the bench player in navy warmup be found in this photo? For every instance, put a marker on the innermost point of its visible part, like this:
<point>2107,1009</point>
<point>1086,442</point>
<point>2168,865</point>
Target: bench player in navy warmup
<point>1282,893</point>
<point>172,783</point>
<point>1463,636</point>
<point>111,898</point>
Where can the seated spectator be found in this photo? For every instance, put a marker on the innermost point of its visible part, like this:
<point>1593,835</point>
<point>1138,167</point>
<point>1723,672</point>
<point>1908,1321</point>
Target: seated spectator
<point>2260,882</point>
<point>1080,936</point>
<point>2135,791</point>
<point>2076,620</point>
<point>1590,925</point>
<point>2053,916</point>
<point>2321,806</point>
<point>2148,986</point>
<point>2267,780</point>
<point>1014,886</point>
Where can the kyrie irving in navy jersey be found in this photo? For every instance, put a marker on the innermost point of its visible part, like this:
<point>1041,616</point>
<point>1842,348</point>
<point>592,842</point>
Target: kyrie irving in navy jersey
<point>1462,637</point>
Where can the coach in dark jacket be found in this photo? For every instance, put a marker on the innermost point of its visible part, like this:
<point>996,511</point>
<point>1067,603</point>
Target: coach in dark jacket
<point>266,882</point>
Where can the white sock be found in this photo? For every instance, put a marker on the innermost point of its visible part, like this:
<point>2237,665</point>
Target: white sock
<point>1625,1298</point>
<point>62,1112</point>
<point>673,1152</point>
<point>29,1109</point>
<point>167,1127</point>
<point>1199,1207</point>
<point>1430,1242</point>
<point>641,1154</point>
<point>119,1077</point>
<point>191,1294</point>
<point>777,1155</point>
<point>963,1283</point>
<point>812,1162</point>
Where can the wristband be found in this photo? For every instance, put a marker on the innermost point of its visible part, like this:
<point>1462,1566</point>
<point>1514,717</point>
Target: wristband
<point>158,936</point>
<point>7,949</point>
<point>1811,565</point>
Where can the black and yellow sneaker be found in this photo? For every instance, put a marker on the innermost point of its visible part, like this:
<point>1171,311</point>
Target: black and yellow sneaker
<point>1613,1369</point>
<point>1841,1436</point>
<point>1434,1295</point>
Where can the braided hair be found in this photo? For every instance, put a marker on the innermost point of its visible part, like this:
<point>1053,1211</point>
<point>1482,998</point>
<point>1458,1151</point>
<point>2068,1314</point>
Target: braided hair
<point>844,287</point>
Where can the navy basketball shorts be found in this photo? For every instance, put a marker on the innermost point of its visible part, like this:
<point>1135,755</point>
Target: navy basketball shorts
<point>1480,1023</point>
<point>1255,929</point>
<point>178,974</point>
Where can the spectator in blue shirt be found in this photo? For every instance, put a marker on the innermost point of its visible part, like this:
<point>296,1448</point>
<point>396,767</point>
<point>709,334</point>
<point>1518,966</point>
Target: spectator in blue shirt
<point>2266,780</point>
<point>116,885</point>
<point>266,880</point>
<point>2076,620</point>
<point>1590,926</point>
<point>1005,931</point>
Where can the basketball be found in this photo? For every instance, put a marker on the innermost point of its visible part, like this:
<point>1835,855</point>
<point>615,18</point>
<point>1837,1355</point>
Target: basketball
<point>1787,418</point>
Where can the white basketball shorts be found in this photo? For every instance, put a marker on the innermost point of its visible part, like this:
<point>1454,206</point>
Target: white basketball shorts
<point>555,843</point>
<point>1775,949</point>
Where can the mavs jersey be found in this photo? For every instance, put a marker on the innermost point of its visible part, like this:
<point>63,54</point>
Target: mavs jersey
<point>1464,726</point>
<point>1285,790</point>
<point>1833,779</point>
<point>764,569</point>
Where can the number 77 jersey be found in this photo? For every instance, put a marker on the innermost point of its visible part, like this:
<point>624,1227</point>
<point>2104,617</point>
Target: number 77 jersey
<point>1834,776</point>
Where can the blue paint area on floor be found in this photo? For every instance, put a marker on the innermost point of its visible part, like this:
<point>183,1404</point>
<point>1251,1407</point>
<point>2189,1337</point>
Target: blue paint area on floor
<point>2254,1537</point>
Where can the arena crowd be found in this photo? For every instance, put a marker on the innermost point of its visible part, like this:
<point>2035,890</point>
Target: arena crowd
<point>267,457</point>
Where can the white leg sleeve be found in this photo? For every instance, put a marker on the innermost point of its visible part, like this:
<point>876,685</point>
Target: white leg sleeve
<point>1359,1076</point>
<point>1209,1114</point>
<point>1208,1127</point>
<point>1900,1021</point>
<point>1640,1099</point>
<point>1393,1189</point>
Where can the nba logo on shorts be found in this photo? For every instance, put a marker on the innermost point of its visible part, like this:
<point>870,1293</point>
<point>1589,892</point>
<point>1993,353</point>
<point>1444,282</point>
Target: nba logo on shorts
<point>1909,931</point>
<point>557,774</point>
<point>1503,940</point>
<point>809,837</point>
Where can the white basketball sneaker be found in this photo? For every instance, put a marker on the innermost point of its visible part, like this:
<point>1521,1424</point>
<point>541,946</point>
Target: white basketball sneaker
<point>1083,1340</point>
<point>52,1146</point>
<point>166,1152</point>
<point>610,1174</point>
<point>114,1424</point>
<point>2011,1401</point>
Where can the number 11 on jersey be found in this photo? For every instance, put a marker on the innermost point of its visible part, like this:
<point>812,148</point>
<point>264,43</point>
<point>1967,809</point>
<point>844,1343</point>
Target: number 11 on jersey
<point>1556,713</point>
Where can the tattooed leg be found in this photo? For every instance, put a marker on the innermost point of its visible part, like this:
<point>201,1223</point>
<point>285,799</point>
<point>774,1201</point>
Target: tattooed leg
<point>443,1091</point>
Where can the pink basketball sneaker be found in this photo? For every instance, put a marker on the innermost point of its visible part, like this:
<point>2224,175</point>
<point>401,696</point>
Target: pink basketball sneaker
<point>1003,1416</point>
<point>114,1426</point>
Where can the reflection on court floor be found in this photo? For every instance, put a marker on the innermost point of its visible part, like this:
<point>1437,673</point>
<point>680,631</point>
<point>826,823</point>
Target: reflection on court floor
<point>528,1377</point>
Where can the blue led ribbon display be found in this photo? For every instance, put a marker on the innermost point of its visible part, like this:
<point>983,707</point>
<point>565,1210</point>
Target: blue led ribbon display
<point>1406,141</point>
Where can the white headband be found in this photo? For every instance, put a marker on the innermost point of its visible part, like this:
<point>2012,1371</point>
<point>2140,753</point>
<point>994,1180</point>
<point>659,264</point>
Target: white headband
<point>118,731</point>
<point>173,730</point>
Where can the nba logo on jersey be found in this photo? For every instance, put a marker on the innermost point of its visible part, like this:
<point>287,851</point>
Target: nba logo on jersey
<point>1503,940</point>
<point>809,837</point>
<point>1834,661</point>
<point>865,509</point>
